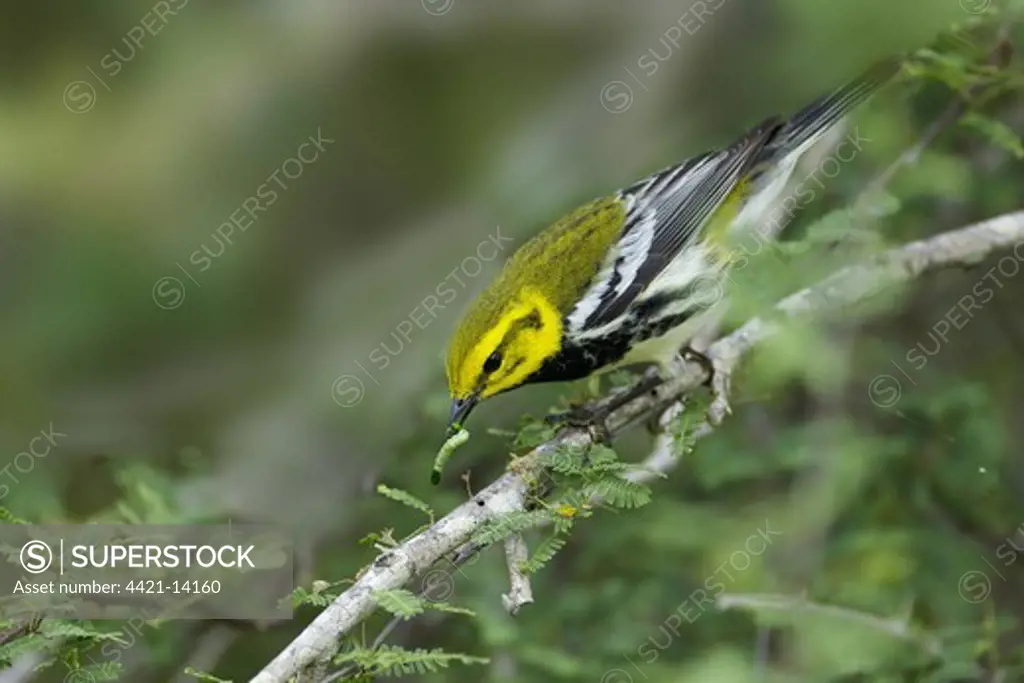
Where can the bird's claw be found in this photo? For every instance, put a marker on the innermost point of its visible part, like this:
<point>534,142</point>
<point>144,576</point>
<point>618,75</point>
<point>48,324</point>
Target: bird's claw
<point>689,353</point>
<point>571,416</point>
<point>584,417</point>
<point>719,382</point>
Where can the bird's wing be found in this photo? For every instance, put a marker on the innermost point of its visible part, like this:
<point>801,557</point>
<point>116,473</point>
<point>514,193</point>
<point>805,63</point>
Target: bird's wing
<point>664,213</point>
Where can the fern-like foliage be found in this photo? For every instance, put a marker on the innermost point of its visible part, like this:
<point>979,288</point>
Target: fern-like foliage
<point>390,661</point>
<point>543,554</point>
<point>104,672</point>
<point>320,594</point>
<point>405,604</point>
<point>507,525</point>
<point>406,499</point>
<point>204,677</point>
<point>620,493</point>
<point>997,132</point>
<point>50,635</point>
<point>8,517</point>
<point>401,603</point>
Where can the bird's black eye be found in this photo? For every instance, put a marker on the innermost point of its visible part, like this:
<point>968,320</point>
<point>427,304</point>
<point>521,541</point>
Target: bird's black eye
<point>492,363</point>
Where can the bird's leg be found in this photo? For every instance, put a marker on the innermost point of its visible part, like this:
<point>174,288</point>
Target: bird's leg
<point>594,415</point>
<point>690,353</point>
<point>589,417</point>
<point>718,381</point>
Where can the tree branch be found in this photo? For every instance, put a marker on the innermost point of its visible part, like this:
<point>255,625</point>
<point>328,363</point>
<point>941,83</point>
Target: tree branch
<point>509,493</point>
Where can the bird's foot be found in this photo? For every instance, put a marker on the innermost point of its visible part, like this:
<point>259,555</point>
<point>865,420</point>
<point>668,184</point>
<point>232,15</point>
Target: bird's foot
<point>591,417</point>
<point>594,415</point>
<point>689,353</point>
<point>719,381</point>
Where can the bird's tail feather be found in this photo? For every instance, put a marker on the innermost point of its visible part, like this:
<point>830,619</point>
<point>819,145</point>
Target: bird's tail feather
<point>811,122</point>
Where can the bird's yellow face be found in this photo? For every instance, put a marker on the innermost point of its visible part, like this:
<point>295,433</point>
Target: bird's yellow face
<point>515,325</point>
<point>502,353</point>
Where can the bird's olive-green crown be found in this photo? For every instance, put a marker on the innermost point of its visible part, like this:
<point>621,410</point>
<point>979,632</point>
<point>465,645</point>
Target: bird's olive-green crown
<point>519,315</point>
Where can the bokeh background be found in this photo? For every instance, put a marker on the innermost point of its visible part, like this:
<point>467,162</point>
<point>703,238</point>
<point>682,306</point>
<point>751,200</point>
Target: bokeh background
<point>200,351</point>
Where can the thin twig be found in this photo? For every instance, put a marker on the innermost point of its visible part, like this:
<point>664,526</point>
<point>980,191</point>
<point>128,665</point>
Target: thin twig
<point>912,154</point>
<point>520,592</point>
<point>896,627</point>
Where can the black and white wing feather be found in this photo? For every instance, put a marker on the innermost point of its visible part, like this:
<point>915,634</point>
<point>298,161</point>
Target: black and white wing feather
<point>665,212</point>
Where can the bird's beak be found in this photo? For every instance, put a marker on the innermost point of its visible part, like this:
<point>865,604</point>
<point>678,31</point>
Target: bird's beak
<point>461,408</point>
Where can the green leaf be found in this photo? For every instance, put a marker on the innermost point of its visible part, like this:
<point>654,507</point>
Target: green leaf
<point>997,132</point>
<point>543,554</point>
<point>448,608</point>
<point>7,517</point>
<point>406,499</point>
<point>532,434</point>
<point>205,677</point>
<point>321,595</point>
<point>67,629</point>
<point>620,493</point>
<point>509,524</point>
<point>400,602</point>
<point>389,660</point>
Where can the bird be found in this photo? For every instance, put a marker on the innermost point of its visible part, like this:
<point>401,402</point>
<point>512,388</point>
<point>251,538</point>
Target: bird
<point>625,279</point>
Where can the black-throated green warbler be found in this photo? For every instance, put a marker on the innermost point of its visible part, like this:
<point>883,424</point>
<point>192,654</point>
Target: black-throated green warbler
<point>617,281</point>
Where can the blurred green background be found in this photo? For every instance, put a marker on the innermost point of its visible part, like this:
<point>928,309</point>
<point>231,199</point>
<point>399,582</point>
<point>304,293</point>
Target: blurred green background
<point>219,226</point>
